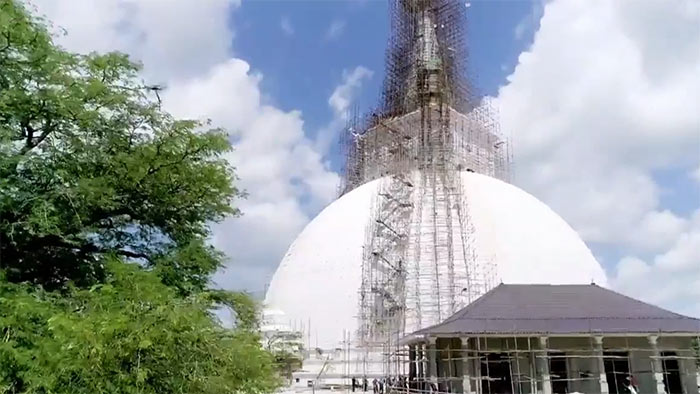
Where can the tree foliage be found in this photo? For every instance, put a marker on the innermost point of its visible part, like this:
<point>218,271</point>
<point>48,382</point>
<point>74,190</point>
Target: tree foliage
<point>130,334</point>
<point>91,166</point>
<point>105,205</point>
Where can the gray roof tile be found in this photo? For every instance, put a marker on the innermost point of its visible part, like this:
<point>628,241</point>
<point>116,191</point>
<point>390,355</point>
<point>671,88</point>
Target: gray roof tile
<point>561,309</point>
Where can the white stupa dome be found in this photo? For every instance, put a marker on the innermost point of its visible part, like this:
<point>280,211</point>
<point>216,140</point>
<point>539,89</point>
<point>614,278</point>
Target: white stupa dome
<point>317,284</point>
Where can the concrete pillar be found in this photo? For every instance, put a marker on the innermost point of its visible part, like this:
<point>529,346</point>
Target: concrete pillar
<point>432,360</point>
<point>657,364</point>
<point>425,370</point>
<point>413,360</point>
<point>466,362</point>
<point>543,366</point>
<point>420,361</point>
<point>598,349</point>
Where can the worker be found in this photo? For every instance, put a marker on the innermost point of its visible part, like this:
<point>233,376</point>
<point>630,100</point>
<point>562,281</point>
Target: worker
<point>631,385</point>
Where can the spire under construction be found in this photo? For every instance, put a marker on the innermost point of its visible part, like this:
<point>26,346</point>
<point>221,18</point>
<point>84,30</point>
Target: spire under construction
<point>419,264</point>
<point>429,113</point>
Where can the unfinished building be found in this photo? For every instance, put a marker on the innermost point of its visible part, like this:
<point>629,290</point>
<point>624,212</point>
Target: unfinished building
<point>549,339</point>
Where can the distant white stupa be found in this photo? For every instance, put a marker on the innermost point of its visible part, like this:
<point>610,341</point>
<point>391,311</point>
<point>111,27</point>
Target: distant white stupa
<point>426,222</point>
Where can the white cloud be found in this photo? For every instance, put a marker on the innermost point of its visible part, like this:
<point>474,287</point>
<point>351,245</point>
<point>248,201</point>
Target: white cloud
<point>671,278</point>
<point>286,26</point>
<point>339,102</point>
<point>335,30</point>
<point>345,93</point>
<point>590,120</point>
<point>172,38</point>
<point>186,45</point>
<point>528,23</point>
<point>279,170</point>
<point>657,231</point>
<point>696,174</point>
<point>605,97</point>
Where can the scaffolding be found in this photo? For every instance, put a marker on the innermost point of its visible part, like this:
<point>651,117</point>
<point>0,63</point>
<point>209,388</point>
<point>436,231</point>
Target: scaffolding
<point>524,364</point>
<point>426,77</point>
<point>420,261</point>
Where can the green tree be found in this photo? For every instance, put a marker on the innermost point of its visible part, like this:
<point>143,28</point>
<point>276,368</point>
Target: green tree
<point>105,206</point>
<point>90,166</point>
<point>130,334</point>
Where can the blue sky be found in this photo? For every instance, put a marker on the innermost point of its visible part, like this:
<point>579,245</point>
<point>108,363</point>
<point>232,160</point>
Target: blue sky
<point>303,65</point>
<point>599,97</point>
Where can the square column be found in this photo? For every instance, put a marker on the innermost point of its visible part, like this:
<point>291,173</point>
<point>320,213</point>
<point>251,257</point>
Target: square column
<point>412,361</point>
<point>432,360</point>
<point>658,367</point>
<point>543,366</point>
<point>598,349</point>
<point>420,363</point>
<point>466,374</point>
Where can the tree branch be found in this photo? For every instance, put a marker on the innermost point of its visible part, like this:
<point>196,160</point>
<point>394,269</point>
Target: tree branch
<point>7,37</point>
<point>58,242</point>
<point>127,253</point>
<point>31,143</point>
<point>182,159</point>
<point>29,133</point>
